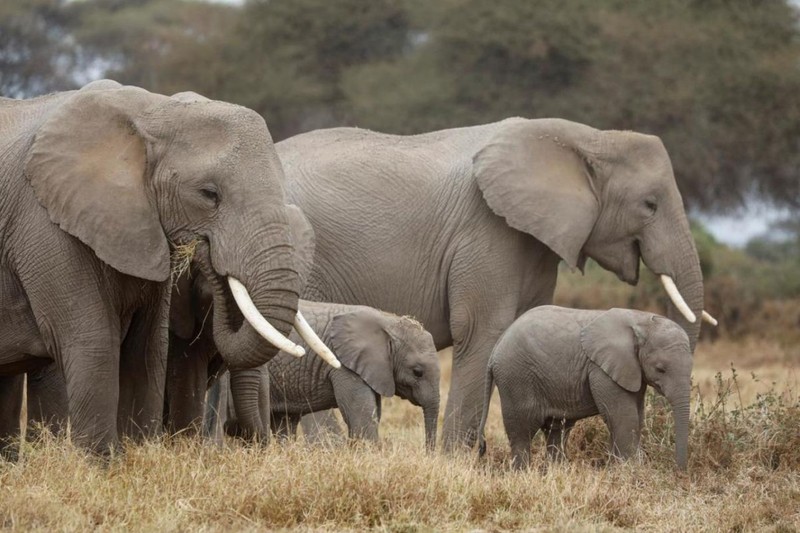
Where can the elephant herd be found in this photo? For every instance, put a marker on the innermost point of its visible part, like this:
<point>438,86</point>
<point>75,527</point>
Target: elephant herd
<point>328,241</point>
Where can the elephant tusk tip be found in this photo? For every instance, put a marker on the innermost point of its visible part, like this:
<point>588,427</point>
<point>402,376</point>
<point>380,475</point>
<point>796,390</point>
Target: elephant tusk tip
<point>710,319</point>
<point>298,351</point>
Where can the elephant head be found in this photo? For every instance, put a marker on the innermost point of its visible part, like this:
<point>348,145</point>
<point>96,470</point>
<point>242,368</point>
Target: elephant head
<point>393,355</point>
<point>132,174</point>
<point>631,346</point>
<point>608,195</point>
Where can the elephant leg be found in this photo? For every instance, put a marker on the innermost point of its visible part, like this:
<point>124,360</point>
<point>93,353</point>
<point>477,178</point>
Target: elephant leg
<point>284,425</point>
<point>474,337</point>
<point>47,400</point>
<point>10,410</point>
<point>520,434</point>
<point>557,432</point>
<point>187,377</point>
<point>143,368</point>
<point>321,426</point>
<point>92,381</point>
<point>620,410</point>
<point>216,408</point>
<point>359,405</point>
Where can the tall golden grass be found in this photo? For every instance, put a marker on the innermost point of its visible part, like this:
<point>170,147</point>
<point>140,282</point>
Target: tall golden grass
<point>744,475</point>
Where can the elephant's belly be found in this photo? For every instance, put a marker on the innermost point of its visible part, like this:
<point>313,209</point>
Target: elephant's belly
<point>301,403</point>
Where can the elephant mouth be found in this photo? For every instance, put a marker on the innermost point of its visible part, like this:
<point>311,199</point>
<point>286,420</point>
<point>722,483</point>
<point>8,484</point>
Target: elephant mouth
<point>239,307</point>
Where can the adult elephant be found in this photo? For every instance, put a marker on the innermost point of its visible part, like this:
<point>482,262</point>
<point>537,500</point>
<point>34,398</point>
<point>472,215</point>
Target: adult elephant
<point>95,186</point>
<point>464,228</point>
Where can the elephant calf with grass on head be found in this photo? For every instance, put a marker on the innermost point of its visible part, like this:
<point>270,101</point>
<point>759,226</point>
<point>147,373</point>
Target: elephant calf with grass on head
<point>381,354</point>
<point>554,366</point>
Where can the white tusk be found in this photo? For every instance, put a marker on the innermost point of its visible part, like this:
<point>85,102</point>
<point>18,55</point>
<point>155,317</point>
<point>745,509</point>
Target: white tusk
<point>677,299</point>
<point>314,342</point>
<point>710,319</point>
<point>259,323</point>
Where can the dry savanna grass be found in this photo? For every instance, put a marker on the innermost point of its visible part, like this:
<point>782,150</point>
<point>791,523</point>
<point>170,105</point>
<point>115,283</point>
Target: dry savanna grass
<point>744,474</point>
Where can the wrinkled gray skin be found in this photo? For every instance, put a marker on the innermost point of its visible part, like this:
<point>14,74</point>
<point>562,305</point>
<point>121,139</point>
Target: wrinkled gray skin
<point>94,186</point>
<point>381,354</point>
<point>194,361</point>
<point>555,366</point>
<point>464,229</point>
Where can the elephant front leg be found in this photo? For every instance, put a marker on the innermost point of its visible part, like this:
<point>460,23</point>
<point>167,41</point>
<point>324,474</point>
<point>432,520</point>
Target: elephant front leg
<point>143,368</point>
<point>359,405</point>
<point>620,410</point>
<point>10,408</point>
<point>92,382</point>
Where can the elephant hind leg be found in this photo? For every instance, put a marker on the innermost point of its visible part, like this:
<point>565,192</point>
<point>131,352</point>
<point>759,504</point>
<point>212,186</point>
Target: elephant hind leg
<point>10,410</point>
<point>557,432</point>
<point>520,429</point>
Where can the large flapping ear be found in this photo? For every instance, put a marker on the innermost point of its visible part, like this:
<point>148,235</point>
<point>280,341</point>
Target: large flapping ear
<point>88,167</point>
<point>540,184</point>
<point>612,342</point>
<point>303,240</point>
<point>363,346</point>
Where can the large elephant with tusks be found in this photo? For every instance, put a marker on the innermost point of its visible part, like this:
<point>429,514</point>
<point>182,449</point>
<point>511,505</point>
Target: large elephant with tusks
<point>97,188</point>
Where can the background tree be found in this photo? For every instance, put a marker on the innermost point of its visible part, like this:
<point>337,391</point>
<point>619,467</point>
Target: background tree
<point>36,52</point>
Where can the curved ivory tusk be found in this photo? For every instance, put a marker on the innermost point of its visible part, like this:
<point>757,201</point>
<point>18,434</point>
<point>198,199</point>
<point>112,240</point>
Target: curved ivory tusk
<point>314,342</point>
<point>259,323</point>
<point>710,319</point>
<point>677,299</point>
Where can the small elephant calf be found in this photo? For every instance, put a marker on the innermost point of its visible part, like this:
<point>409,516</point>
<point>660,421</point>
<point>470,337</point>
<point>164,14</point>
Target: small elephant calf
<point>381,354</point>
<point>554,366</point>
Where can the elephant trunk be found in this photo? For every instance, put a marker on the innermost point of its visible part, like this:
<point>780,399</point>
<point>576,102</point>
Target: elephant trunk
<point>689,282</point>
<point>271,284</point>
<point>670,252</point>
<point>680,413</point>
<point>430,414</point>
<point>245,389</point>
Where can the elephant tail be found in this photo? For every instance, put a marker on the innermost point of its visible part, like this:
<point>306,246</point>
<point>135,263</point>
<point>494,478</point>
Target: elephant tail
<point>487,397</point>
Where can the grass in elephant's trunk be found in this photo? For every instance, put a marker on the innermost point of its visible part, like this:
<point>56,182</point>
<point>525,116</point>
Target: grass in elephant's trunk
<point>743,475</point>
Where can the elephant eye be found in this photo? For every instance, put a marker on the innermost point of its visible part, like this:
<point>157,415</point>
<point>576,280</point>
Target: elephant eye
<point>651,206</point>
<point>660,368</point>
<point>211,194</point>
<point>417,372</point>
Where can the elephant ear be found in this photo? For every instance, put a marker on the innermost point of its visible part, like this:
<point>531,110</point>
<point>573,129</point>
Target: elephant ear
<point>612,342</point>
<point>303,240</point>
<point>88,167</point>
<point>541,185</point>
<point>362,345</point>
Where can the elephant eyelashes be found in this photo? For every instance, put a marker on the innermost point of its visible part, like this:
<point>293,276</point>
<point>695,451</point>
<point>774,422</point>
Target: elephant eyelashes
<point>212,195</point>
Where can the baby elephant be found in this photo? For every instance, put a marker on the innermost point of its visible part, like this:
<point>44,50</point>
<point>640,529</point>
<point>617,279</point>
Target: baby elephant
<point>381,354</point>
<point>554,366</point>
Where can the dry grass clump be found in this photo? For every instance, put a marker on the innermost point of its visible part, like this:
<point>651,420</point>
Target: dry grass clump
<point>744,475</point>
<point>181,256</point>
